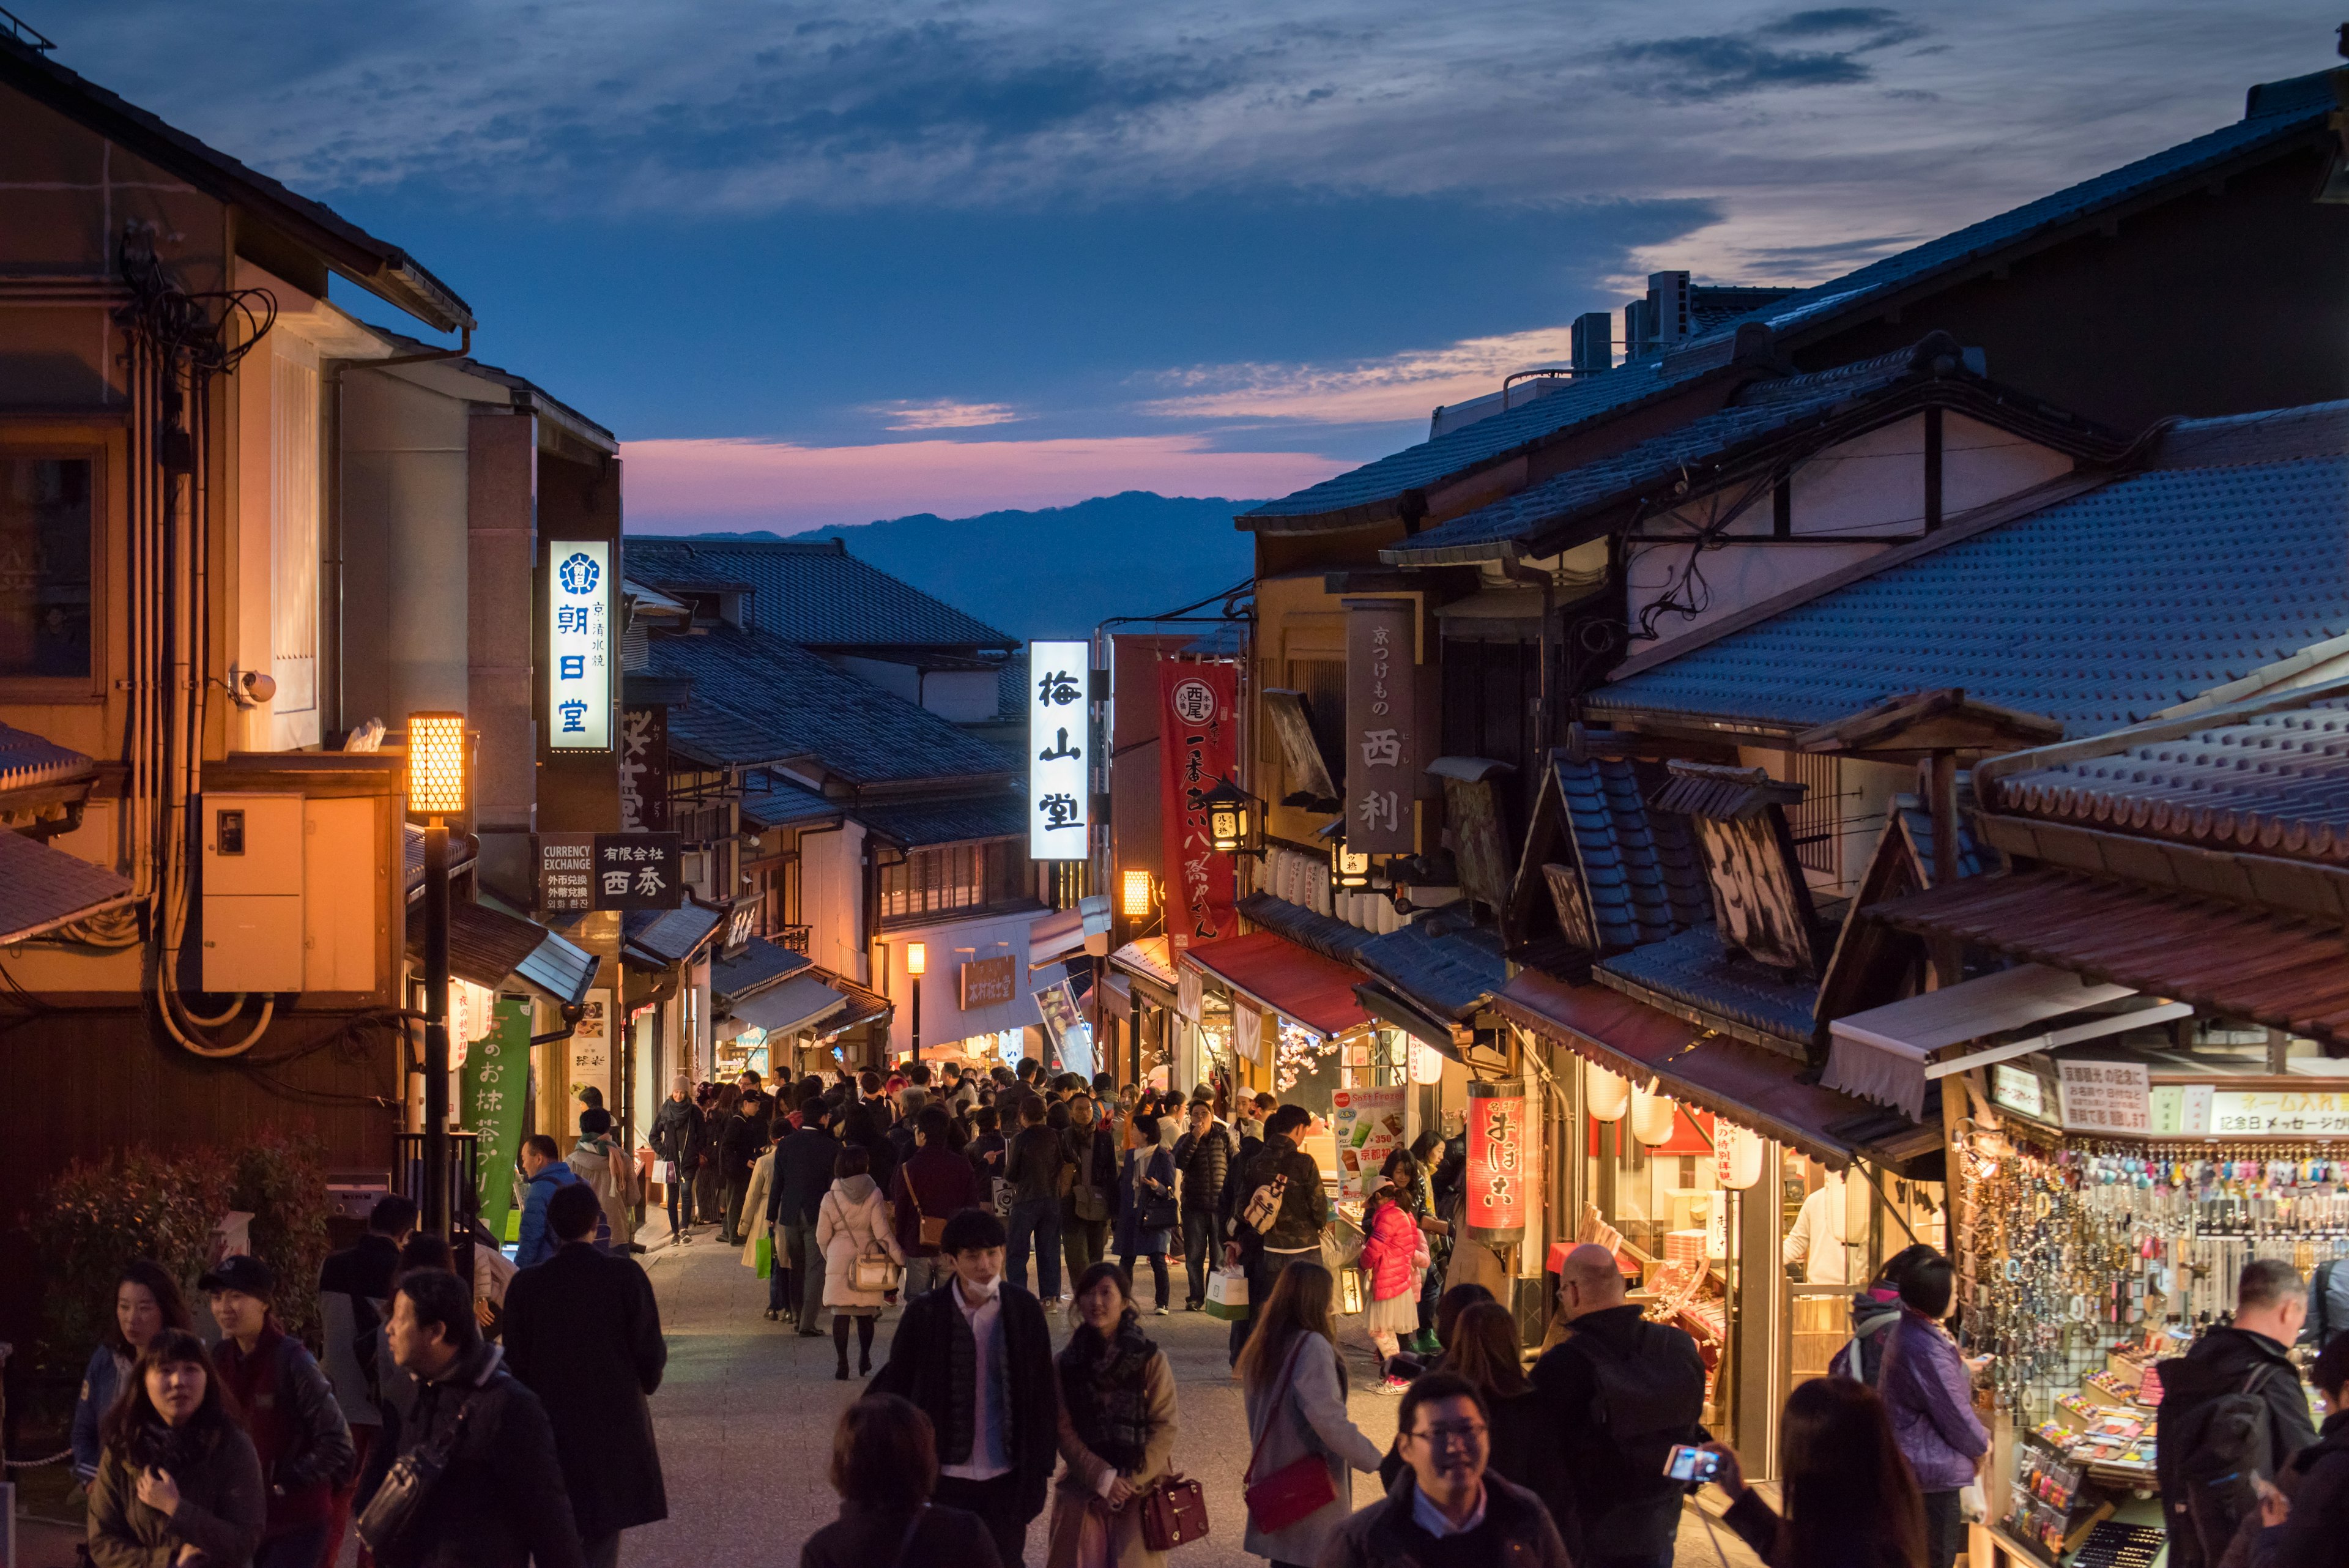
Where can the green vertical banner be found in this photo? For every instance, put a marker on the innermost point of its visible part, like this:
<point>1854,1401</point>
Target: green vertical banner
<point>495,1087</point>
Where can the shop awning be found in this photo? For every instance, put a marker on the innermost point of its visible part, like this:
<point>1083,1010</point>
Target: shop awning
<point>659,938</point>
<point>1055,936</point>
<point>798,1003</point>
<point>1385,1005</point>
<point>1317,992</point>
<point>1757,1089</point>
<point>759,964</point>
<point>1144,960</point>
<point>2227,960</point>
<point>41,888</point>
<point>490,948</point>
<point>1889,1053</point>
<point>1117,993</point>
<point>863,1004</point>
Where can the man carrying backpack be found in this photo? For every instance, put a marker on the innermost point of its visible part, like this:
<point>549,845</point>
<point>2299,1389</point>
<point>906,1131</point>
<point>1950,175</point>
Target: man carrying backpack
<point>2231,1410</point>
<point>1625,1391</point>
<point>1279,1213</point>
<point>2328,1302</point>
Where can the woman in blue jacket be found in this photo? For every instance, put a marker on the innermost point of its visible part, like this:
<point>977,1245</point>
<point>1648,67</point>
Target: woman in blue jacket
<point>147,1300</point>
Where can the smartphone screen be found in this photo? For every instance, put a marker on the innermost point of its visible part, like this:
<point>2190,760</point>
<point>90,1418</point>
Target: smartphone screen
<point>1688,1462</point>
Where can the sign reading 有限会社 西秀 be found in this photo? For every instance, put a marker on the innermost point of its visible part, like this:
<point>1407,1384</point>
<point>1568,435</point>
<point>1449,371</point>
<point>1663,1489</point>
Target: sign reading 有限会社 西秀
<point>637,871</point>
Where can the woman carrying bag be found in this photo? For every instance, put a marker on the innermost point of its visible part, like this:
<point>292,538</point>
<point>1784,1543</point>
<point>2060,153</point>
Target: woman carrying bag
<point>1303,1447</point>
<point>1147,1211</point>
<point>1117,1429</point>
<point>861,1258</point>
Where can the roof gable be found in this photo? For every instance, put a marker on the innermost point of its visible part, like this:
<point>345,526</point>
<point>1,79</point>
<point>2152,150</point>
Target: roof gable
<point>814,593</point>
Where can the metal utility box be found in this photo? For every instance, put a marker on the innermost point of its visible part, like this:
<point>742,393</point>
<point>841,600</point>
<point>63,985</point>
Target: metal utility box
<point>253,891</point>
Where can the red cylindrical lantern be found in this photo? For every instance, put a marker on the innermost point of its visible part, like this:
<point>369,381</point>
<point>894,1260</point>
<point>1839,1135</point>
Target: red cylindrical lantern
<point>1498,1173</point>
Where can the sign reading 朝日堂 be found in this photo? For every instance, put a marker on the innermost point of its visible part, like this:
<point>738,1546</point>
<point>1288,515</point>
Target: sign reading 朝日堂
<point>1059,790</point>
<point>1382,727</point>
<point>580,646</point>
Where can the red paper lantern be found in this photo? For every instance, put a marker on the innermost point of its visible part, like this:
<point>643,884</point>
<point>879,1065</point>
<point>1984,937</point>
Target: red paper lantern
<point>1497,1171</point>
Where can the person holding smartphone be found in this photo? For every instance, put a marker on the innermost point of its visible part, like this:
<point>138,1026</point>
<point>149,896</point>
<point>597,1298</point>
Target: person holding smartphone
<point>1851,1501</point>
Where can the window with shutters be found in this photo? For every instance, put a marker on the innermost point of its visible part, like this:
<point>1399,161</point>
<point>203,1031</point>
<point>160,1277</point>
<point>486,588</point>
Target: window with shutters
<point>1816,822</point>
<point>958,878</point>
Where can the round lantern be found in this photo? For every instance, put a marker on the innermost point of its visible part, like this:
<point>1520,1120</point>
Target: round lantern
<point>1737,1155</point>
<point>1426,1063</point>
<point>1652,1115</point>
<point>1605,1095</point>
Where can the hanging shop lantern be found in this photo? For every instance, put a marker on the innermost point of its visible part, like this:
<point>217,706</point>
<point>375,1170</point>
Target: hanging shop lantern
<point>1652,1115</point>
<point>1348,870</point>
<point>1737,1154</point>
<point>1498,1171</point>
<point>1426,1063</point>
<point>1605,1095</point>
<point>1234,824</point>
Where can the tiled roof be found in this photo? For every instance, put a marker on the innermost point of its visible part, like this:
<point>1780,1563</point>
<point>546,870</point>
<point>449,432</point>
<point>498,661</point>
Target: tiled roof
<point>2275,783</point>
<point>2096,611</point>
<point>963,820</point>
<point>671,936</point>
<point>1324,934</point>
<point>760,964</point>
<point>756,699</point>
<point>1011,689</point>
<point>27,758</point>
<point>1638,867</point>
<point>1452,972</point>
<point>1974,858</point>
<point>812,591</point>
<point>1692,975</point>
<point>771,802</point>
<point>41,888</point>
<point>2283,113</point>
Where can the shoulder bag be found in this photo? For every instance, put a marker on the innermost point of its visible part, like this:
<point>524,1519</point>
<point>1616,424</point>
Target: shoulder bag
<point>932,1232</point>
<point>1159,1210</point>
<point>1174,1512</point>
<point>389,1520</point>
<point>1298,1489</point>
<point>873,1271</point>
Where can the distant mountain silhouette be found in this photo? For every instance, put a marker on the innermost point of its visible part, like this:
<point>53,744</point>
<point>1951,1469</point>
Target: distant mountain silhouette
<point>1060,571</point>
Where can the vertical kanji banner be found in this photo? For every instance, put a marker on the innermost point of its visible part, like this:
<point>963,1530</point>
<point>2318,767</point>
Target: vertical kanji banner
<point>1382,727</point>
<point>494,1090</point>
<point>1199,733</point>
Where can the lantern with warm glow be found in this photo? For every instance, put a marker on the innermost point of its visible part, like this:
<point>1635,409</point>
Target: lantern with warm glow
<point>917,958</point>
<point>1134,895</point>
<point>1605,1095</point>
<point>1652,1115</point>
<point>436,765</point>
<point>1232,825</point>
<point>1348,870</point>
<point>1737,1155</point>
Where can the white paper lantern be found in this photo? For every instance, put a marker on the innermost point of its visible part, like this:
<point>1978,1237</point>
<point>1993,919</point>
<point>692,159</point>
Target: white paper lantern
<point>1604,1096</point>
<point>1737,1155</point>
<point>1426,1063</point>
<point>1652,1115</point>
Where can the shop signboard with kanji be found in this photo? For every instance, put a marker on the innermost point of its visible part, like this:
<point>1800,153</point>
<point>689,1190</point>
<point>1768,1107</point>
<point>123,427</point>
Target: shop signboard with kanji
<point>1060,791</point>
<point>986,982</point>
<point>493,1091</point>
<point>1367,1124</point>
<point>567,872</point>
<point>1499,1169</point>
<point>581,647</point>
<point>643,769</point>
<point>637,871</point>
<point>1383,762</point>
<point>1199,739</point>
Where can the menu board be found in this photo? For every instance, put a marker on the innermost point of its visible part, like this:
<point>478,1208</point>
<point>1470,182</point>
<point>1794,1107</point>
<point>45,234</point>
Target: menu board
<point>1368,1124</point>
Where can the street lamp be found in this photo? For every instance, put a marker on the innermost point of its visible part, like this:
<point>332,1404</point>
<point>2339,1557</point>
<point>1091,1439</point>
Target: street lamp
<point>918,964</point>
<point>436,792</point>
<point>1235,825</point>
<point>1133,895</point>
<point>1348,870</point>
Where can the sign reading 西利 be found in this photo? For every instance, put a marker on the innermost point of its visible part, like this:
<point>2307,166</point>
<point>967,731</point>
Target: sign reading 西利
<point>581,647</point>
<point>2105,1097</point>
<point>1497,1168</point>
<point>1383,762</point>
<point>986,982</point>
<point>1060,791</point>
<point>643,770</point>
<point>1198,717</point>
<point>636,871</point>
<point>567,872</point>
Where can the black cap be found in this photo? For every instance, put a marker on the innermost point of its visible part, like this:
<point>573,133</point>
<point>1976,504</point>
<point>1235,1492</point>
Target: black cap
<point>240,1272</point>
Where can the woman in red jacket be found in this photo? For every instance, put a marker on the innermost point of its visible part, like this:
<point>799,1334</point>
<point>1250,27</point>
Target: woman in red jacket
<point>1393,1255</point>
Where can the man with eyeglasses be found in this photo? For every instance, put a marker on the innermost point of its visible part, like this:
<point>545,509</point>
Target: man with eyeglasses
<point>1445,1511</point>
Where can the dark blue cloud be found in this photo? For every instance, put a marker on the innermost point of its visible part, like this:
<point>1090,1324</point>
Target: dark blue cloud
<point>1720,64</point>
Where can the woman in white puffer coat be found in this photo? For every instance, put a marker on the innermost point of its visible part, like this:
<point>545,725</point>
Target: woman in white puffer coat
<point>853,1223</point>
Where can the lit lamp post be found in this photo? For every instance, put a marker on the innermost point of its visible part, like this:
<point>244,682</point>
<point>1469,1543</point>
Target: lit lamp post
<point>1134,895</point>
<point>436,792</point>
<point>918,964</point>
<point>1234,819</point>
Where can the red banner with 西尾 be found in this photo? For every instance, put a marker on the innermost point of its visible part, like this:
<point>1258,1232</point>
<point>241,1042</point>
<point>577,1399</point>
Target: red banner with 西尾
<point>1199,733</point>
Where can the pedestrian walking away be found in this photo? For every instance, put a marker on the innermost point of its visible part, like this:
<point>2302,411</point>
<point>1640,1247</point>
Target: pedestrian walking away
<point>976,1357</point>
<point>803,1174</point>
<point>500,1499</point>
<point>1147,1206</point>
<point>354,1292</point>
<point>1625,1392</point>
<point>1524,1443</point>
<point>740,1140</point>
<point>178,1479</point>
<point>1204,1162</point>
<point>2233,1413</point>
<point>1117,1432</point>
<point>582,1333</point>
<point>1874,1310</point>
<point>1033,1163</point>
<point>147,1300</point>
<point>542,1172</point>
<point>288,1410</point>
<point>852,1230</point>
<point>933,1187</point>
<point>885,1465</point>
<point>1929,1397</point>
<point>1447,1508</point>
<point>1293,1381</point>
<point>2304,1517</point>
<point>1850,1500</point>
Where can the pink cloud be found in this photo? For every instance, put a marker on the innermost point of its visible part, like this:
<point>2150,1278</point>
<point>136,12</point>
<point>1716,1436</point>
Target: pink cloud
<point>743,483</point>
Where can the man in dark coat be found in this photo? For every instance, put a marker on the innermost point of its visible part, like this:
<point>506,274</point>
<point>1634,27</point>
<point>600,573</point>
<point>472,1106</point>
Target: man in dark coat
<point>975,1356</point>
<point>935,1183</point>
<point>1091,1146</point>
<point>582,1333</point>
<point>803,1174</point>
<point>679,1137</point>
<point>500,1503</point>
<point>2251,1354</point>
<point>741,1141</point>
<point>1202,1162</point>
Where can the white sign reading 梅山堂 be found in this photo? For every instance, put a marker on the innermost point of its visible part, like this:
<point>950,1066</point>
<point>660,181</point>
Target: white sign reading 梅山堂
<point>581,650</point>
<point>2105,1096</point>
<point>1059,790</point>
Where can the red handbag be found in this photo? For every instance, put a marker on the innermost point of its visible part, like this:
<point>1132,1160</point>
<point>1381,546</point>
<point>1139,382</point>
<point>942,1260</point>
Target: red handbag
<point>1298,1489</point>
<point>1173,1513</point>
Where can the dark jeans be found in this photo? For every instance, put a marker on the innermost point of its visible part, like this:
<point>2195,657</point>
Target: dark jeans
<point>1262,1269</point>
<point>601,1551</point>
<point>731,1230</point>
<point>1203,1250</point>
<point>680,1202</point>
<point>807,1273</point>
<point>1157,1270</point>
<point>1083,1242</point>
<point>704,1193</point>
<point>297,1548</point>
<point>1945,1532</point>
<point>1036,1222</point>
<point>1431,1291</point>
<point>997,1503</point>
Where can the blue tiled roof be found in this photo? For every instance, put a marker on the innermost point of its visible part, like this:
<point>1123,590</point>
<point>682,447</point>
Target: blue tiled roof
<point>1694,970</point>
<point>1451,972</point>
<point>1324,934</point>
<point>760,964</point>
<point>917,824</point>
<point>771,802</point>
<point>813,591</point>
<point>1974,858</point>
<point>2098,611</point>
<point>756,699</point>
<point>1638,867</point>
<point>2283,112</point>
<point>1762,408</point>
<point>670,936</point>
<point>1011,689</point>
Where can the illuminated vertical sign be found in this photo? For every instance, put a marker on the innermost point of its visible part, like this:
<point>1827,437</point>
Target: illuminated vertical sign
<point>1381,729</point>
<point>1060,794</point>
<point>1498,1171</point>
<point>1198,745</point>
<point>581,648</point>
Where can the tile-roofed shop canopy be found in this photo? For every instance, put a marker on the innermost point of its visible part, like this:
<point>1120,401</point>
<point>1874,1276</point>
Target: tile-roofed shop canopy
<point>2096,611</point>
<point>812,591</point>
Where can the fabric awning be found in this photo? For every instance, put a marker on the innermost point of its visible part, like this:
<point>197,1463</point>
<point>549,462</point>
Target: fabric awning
<point>1384,1005</point>
<point>1757,1089</point>
<point>1889,1053</point>
<point>41,888</point>
<point>490,948</point>
<point>800,1003</point>
<point>1284,978</point>
<point>1145,962</point>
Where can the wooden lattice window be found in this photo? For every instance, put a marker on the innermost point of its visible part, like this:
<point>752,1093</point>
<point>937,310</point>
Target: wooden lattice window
<point>1817,821</point>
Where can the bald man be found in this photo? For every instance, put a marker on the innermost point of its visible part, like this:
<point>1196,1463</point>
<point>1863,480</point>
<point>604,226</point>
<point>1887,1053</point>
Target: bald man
<point>1626,1390</point>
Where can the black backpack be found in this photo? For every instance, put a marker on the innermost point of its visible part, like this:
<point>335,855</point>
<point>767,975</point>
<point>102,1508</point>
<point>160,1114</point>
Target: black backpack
<point>1646,1404</point>
<point>2325,1327</point>
<point>2221,1443</point>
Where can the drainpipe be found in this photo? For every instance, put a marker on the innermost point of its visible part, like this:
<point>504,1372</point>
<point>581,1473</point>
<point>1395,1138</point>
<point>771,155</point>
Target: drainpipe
<point>1513,568</point>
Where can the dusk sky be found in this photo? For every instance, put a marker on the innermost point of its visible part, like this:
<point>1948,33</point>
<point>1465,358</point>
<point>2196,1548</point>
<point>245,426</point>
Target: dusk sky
<point>829,263</point>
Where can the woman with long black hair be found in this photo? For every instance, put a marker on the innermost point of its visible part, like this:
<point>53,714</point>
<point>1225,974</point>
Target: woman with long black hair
<point>147,1300</point>
<point>1851,1500</point>
<point>178,1480</point>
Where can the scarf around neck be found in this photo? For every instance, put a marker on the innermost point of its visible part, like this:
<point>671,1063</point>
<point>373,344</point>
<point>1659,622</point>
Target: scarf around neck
<point>1104,1383</point>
